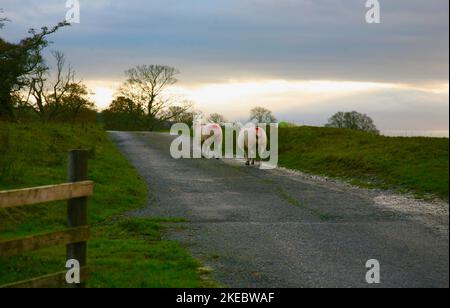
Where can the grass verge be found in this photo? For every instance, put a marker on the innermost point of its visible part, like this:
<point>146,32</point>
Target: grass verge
<point>123,251</point>
<point>418,165</point>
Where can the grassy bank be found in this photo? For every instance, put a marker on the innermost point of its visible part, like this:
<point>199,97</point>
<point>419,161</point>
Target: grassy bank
<point>418,165</point>
<point>123,251</point>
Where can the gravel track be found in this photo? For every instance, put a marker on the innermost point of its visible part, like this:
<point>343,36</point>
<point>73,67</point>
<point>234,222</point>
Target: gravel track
<point>279,228</point>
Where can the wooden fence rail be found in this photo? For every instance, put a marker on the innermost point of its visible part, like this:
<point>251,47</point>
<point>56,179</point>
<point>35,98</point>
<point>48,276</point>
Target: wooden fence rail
<point>75,237</point>
<point>43,194</point>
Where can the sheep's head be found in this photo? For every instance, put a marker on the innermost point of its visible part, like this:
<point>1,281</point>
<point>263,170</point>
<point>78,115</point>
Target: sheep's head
<point>259,131</point>
<point>216,128</point>
<point>212,128</point>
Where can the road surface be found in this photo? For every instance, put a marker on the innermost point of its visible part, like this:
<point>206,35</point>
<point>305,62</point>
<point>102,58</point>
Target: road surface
<point>258,228</point>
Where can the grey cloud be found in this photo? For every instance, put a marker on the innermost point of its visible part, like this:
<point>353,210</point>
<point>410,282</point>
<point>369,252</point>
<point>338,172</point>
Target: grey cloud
<point>288,39</point>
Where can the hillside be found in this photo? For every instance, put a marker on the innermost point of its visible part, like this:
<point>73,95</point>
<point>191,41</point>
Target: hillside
<point>417,164</point>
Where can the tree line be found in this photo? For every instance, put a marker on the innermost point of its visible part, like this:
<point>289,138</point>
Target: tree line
<point>142,102</point>
<point>31,89</point>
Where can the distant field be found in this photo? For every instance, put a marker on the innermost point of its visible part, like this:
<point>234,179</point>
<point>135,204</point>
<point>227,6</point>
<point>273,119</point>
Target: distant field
<point>123,252</point>
<point>417,164</point>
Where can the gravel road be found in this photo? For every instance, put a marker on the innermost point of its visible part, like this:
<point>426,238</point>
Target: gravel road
<point>259,228</point>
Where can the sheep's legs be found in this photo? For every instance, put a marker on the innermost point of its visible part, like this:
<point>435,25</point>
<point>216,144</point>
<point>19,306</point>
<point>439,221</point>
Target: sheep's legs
<point>247,160</point>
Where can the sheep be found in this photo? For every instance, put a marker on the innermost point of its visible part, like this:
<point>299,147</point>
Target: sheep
<point>251,138</point>
<point>210,130</point>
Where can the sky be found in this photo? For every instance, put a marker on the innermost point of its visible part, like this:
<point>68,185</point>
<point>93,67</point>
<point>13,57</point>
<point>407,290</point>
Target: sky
<point>303,59</point>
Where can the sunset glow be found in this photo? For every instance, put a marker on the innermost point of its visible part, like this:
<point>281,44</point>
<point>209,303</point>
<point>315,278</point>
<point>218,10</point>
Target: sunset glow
<point>102,96</point>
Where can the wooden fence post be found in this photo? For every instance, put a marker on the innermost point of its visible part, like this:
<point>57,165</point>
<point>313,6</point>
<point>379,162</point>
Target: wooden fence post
<point>77,207</point>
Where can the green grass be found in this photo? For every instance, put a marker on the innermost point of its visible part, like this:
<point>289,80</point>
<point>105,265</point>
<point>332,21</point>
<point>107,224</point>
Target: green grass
<point>287,197</point>
<point>418,165</point>
<point>123,251</point>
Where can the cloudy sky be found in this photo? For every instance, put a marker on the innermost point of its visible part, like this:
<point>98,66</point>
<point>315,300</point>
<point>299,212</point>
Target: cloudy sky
<point>303,59</point>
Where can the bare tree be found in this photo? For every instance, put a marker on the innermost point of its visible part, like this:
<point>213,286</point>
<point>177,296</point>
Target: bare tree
<point>146,86</point>
<point>353,120</point>
<point>178,114</point>
<point>262,115</point>
<point>216,118</point>
<point>49,98</point>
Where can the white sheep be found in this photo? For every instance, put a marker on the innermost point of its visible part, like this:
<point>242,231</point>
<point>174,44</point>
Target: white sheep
<point>211,130</point>
<point>251,138</point>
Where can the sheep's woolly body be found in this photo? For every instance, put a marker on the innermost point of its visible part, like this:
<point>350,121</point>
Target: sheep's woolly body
<point>248,144</point>
<point>210,130</point>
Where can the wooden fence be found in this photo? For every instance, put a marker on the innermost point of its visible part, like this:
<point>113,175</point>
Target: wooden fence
<point>75,237</point>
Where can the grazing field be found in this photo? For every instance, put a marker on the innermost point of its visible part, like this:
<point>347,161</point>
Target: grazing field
<point>123,251</point>
<point>418,165</point>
